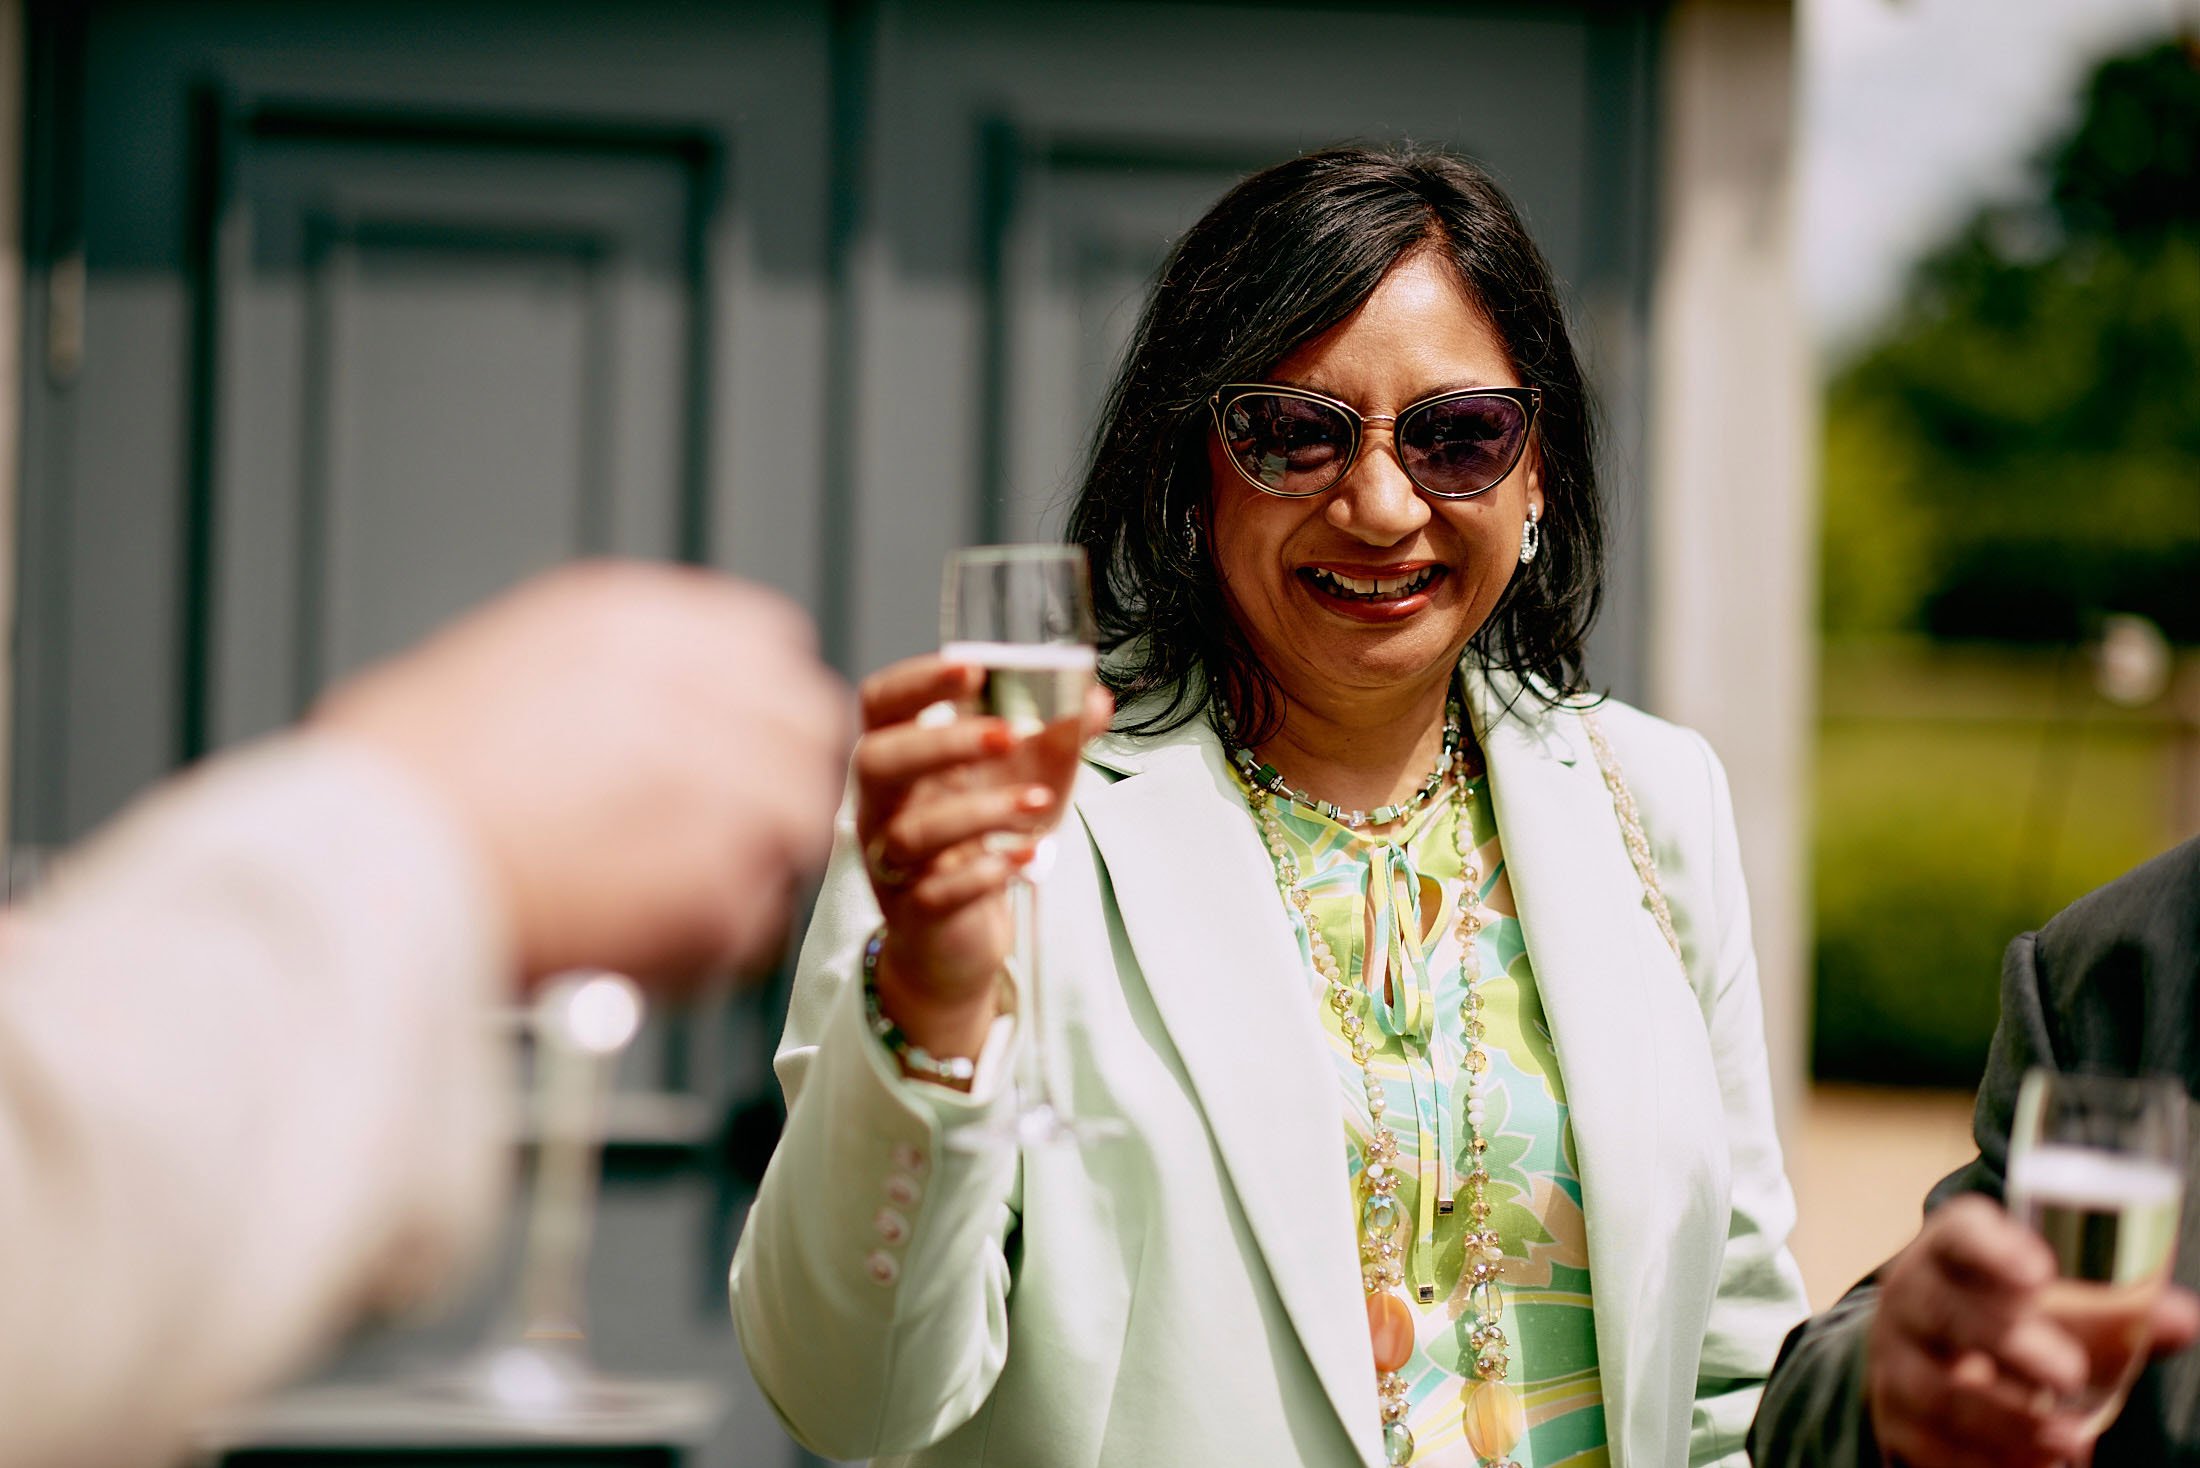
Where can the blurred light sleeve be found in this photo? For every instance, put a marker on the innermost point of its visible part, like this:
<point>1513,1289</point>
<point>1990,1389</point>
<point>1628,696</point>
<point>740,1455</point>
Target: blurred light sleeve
<point>248,1091</point>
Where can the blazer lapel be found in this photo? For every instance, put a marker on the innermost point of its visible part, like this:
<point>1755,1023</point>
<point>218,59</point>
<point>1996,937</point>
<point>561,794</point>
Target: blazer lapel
<point>1199,903</point>
<point>1578,899</point>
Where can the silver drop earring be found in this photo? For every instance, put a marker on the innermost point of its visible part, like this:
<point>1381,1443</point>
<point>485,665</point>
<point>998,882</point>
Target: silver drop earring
<point>1531,537</point>
<point>1191,536</point>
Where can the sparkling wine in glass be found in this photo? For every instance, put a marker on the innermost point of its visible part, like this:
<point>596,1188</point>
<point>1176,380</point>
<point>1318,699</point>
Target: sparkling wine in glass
<point>1023,614</point>
<point>2097,1169</point>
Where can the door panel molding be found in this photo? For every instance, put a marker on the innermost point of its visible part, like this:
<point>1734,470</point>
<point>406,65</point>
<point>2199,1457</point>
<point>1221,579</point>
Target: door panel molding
<point>303,209</point>
<point>1074,225</point>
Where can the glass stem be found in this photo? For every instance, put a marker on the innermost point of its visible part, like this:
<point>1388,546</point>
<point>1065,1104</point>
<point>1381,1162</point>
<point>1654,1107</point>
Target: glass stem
<point>569,1096</point>
<point>1031,1069</point>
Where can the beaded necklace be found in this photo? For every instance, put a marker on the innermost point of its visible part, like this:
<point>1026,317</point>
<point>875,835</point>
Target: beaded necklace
<point>1494,1416</point>
<point>1264,775</point>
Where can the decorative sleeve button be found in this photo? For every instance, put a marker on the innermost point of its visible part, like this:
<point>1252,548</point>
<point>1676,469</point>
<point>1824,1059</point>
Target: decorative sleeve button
<point>902,1190</point>
<point>908,1157</point>
<point>891,1226</point>
<point>883,1268</point>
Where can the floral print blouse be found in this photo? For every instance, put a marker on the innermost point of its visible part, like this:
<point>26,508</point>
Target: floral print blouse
<point>1388,909</point>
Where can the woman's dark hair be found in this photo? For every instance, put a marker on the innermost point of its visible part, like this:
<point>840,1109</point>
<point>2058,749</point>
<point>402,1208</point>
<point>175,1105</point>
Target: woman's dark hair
<point>1284,256</point>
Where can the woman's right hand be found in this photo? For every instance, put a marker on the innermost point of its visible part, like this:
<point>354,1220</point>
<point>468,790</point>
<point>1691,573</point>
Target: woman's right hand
<point>924,806</point>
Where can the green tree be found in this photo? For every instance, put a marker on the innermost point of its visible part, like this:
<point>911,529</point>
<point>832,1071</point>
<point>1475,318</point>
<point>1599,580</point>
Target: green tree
<point>2020,450</point>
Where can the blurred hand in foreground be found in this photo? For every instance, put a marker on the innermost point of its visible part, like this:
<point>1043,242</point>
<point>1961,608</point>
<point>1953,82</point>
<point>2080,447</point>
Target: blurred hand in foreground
<point>1968,1365</point>
<point>647,755</point>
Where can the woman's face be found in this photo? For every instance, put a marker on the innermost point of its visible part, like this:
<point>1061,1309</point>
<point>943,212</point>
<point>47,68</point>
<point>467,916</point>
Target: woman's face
<point>1417,334</point>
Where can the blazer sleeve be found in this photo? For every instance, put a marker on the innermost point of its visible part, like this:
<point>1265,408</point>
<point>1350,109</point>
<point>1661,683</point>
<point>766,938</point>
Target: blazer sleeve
<point>247,1090</point>
<point>1760,1290</point>
<point>870,1285</point>
<point>1814,1413</point>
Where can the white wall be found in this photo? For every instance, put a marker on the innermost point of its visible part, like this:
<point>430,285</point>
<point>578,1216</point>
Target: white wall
<point>1733,640</point>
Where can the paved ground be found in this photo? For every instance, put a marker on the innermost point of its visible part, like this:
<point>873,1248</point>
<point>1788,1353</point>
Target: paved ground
<point>1861,1163</point>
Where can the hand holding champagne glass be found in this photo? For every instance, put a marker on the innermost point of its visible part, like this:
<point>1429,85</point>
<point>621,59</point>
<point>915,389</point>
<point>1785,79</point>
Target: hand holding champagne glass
<point>963,773</point>
<point>1023,614</point>
<point>2012,1336</point>
<point>2097,1170</point>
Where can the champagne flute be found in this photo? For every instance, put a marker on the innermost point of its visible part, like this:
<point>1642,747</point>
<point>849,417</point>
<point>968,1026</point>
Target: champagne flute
<point>1023,613</point>
<point>534,1374</point>
<point>2097,1169</point>
<point>531,1383</point>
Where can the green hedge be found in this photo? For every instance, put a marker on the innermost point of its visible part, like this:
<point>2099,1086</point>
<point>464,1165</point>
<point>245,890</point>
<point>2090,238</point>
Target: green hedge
<point>1935,844</point>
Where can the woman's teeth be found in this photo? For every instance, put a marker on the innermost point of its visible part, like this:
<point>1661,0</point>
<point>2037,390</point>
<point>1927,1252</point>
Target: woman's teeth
<point>1372,588</point>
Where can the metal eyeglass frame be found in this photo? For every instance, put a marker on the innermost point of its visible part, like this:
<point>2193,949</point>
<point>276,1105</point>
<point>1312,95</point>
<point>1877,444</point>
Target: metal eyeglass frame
<point>1530,400</point>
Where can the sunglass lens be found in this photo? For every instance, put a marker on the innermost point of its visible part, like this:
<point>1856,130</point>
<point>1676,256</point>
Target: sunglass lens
<point>1462,445</point>
<point>1287,444</point>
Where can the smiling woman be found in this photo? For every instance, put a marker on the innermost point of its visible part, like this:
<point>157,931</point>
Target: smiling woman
<point>1351,869</point>
<point>1359,600</point>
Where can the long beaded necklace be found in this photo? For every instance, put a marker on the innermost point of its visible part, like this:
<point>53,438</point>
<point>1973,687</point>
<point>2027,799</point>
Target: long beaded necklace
<point>1494,1416</point>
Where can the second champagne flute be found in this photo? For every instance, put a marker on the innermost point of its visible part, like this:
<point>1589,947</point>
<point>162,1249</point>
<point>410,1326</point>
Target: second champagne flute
<point>1023,613</point>
<point>2096,1168</point>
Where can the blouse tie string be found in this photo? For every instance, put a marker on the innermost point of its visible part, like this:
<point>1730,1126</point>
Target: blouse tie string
<point>1404,996</point>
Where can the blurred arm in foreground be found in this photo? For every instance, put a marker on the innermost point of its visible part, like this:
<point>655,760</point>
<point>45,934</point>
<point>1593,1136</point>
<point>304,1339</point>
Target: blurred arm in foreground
<point>1946,1354</point>
<point>246,1087</point>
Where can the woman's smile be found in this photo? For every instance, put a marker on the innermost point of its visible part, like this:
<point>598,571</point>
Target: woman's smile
<point>1373,593</point>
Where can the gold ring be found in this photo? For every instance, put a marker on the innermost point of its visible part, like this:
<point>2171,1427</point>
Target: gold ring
<point>882,871</point>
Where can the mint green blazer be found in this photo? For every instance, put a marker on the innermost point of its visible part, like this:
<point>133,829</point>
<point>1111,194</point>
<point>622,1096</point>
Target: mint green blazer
<point>1190,1295</point>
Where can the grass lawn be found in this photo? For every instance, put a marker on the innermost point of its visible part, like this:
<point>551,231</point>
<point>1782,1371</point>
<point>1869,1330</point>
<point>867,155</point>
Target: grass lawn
<point>1964,795</point>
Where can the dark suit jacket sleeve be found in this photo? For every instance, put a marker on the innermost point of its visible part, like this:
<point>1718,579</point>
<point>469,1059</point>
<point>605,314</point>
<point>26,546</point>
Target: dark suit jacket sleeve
<point>1813,1412</point>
